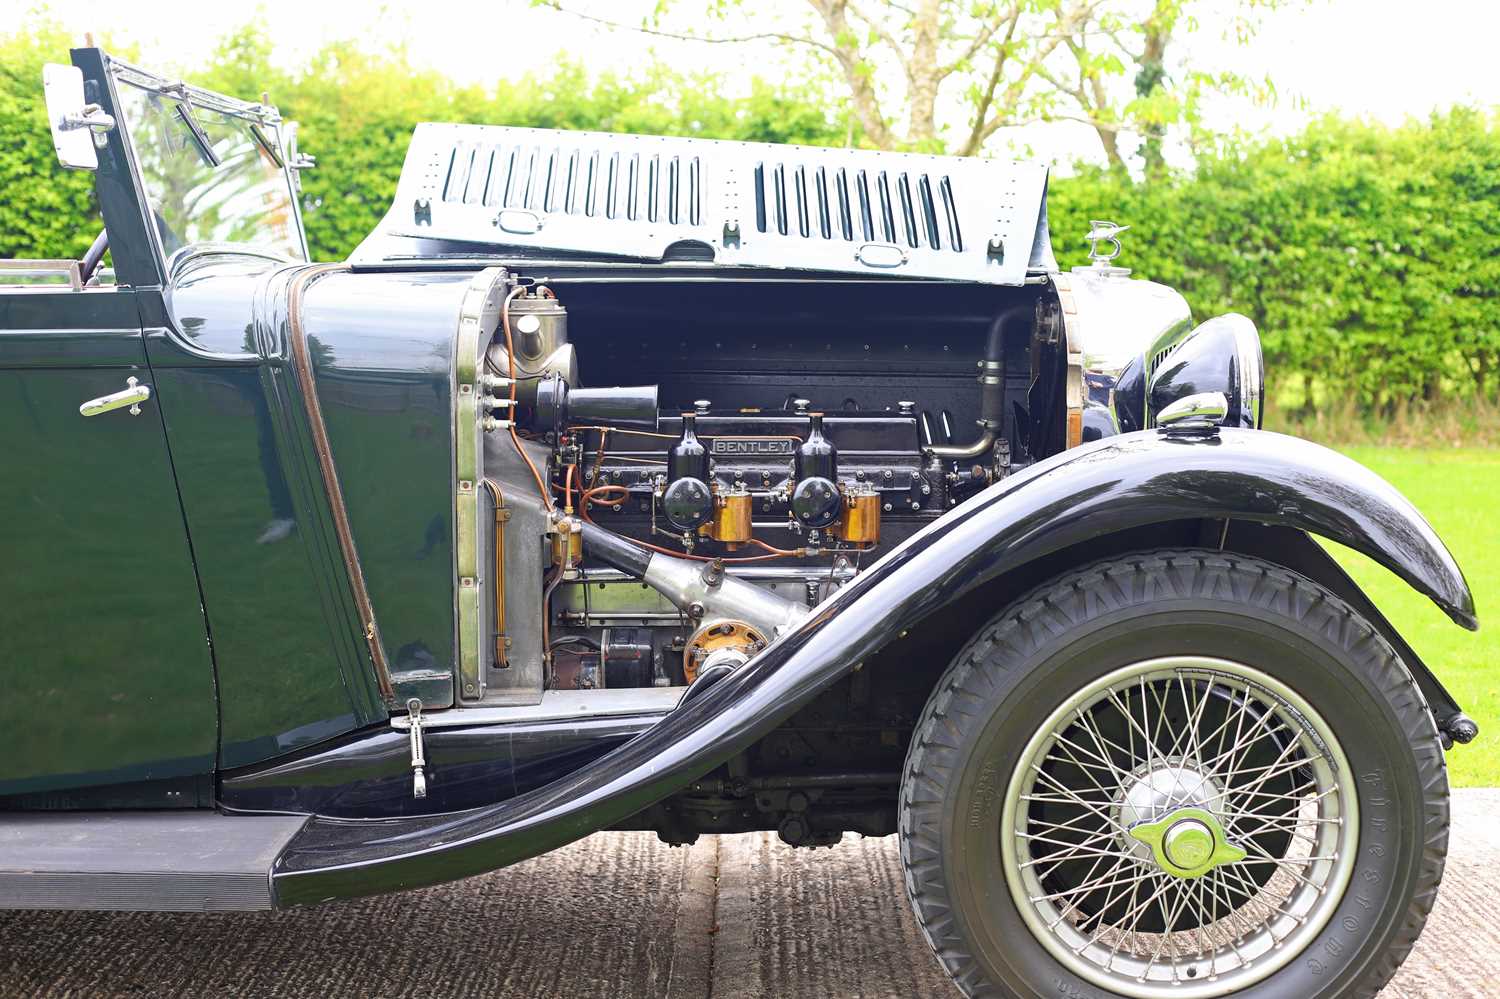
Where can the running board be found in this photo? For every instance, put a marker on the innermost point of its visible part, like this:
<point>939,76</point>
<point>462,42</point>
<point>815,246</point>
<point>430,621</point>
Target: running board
<point>167,861</point>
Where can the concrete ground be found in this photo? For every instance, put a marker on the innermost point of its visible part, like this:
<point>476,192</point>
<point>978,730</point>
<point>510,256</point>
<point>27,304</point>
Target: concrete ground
<point>620,915</point>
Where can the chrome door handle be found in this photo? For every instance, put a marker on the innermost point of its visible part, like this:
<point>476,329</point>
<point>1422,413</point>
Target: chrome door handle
<point>133,395</point>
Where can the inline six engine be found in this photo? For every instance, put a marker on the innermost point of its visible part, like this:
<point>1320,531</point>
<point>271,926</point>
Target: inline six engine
<point>789,493</point>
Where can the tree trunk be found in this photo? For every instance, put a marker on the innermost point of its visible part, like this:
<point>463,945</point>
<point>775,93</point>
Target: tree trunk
<point>1148,80</point>
<point>856,71</point>
<point>1109,138</point>
<point>922,74</point>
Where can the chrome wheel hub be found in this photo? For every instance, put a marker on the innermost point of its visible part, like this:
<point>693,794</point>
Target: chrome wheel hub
<point>1152,792</point>
<point>1180,827</point>
<point>1164,815</point>
<point>1188,843</point>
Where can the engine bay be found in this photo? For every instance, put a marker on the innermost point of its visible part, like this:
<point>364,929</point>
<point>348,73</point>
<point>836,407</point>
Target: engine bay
<point>769,438</point>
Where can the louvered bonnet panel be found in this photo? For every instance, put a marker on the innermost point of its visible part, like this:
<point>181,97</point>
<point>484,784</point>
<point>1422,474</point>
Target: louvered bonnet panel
<point>751,204</point>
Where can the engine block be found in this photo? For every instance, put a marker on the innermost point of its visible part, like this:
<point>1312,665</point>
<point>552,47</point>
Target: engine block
<point>753,451</point>
<point>613,631</point>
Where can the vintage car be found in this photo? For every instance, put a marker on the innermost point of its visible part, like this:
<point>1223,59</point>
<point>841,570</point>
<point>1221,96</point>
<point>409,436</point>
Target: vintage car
<point>623,482</point>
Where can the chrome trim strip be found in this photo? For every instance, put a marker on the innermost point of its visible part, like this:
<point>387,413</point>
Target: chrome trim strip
<point>557,705</point>
<point>197,96</point>
<point>1252,369</point>
<point>476,319</point>
<point>66,268</point>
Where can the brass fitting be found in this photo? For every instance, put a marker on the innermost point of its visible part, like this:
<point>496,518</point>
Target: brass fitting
<point>567,542</point>
<point>859,523</point>
<point>731,519</point>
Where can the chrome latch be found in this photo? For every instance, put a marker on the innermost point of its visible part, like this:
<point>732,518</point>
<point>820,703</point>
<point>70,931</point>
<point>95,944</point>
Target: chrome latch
<point>132,395</point>
<point>418,754</point>
<point>1194,415</point>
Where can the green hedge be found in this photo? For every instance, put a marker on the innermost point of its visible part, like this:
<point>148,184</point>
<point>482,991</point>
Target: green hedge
<point>356,110</point>
<point>1368,256</point>
<point>45,211</point>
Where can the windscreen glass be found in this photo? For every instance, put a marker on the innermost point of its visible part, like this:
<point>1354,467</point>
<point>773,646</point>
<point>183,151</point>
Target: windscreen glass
<point>210,177</point>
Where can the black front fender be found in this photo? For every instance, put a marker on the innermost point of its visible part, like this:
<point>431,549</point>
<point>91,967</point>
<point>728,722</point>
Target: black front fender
<point>1108,486</point>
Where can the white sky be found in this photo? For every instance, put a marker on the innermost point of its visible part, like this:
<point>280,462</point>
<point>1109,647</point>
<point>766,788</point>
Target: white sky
<point>1387,59</point>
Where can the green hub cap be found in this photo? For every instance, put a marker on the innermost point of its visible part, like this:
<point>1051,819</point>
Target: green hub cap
<point>1187,843</point>
<point>1180,828</point>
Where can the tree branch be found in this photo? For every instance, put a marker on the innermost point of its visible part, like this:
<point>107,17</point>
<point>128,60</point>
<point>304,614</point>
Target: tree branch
<point>856,72</point>
<point>921,73</point>
<point>1067,24</point>
<point>982,109</point>
<point>759,36</point>
<point>1092,98</point>
<point>982,38</point>
<point>882,33</point>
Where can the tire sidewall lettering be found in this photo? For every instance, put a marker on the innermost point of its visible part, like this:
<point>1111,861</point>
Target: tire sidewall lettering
<point>1392,816</point>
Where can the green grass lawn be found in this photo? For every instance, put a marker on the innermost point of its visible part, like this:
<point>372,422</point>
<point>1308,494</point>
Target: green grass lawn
<point>1458,489</point>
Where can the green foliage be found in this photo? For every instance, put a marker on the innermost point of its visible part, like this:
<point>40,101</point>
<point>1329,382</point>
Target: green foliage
<point>356,109</point>
<point>47,211</point>
<point>1365,254</point>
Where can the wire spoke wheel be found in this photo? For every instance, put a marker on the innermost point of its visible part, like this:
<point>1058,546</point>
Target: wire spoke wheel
<point>1183,826</point>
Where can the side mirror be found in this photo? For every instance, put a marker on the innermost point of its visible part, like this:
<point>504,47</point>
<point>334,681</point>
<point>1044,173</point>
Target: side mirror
<point>295,158</point>
<point>77,126</point>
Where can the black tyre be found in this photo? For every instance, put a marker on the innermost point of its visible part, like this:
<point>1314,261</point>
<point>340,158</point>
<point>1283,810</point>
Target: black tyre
<point>1181,773</point>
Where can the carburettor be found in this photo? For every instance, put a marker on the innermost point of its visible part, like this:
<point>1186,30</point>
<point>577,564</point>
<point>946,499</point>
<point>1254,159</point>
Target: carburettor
<point>820,489</point>
<point>788,478</point>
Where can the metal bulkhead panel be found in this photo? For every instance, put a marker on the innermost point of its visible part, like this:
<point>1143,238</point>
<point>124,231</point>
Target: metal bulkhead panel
<point>736,204</point>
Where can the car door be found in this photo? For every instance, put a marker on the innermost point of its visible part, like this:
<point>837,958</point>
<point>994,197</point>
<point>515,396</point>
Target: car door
<point>104,658</point>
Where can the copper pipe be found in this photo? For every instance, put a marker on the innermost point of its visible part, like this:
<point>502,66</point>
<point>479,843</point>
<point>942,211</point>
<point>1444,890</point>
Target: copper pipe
<point>302,368</point>
<point>502,515</point>
<point>557,575</point>
<point>624,430</point>
<point>588,498</point>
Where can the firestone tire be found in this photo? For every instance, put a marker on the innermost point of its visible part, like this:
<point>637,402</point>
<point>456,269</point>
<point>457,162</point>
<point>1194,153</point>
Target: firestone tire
<point>1079,630</point>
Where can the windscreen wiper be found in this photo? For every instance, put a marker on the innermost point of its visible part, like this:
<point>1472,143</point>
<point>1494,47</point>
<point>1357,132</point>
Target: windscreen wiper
<point>199,137</point>
<point>267,146</point>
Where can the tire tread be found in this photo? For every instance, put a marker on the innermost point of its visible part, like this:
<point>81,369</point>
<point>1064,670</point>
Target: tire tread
<point>1050,609</point>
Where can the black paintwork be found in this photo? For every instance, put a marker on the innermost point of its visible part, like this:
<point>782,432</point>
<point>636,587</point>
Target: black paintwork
<point>133,245</point>
<point>368,774</point>
<point>815,499</point>
<point>1130,400</point>
<point>686,502</point>
<point>1205,361</point>
<point>557,405</point>
<point>1094,490</point>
